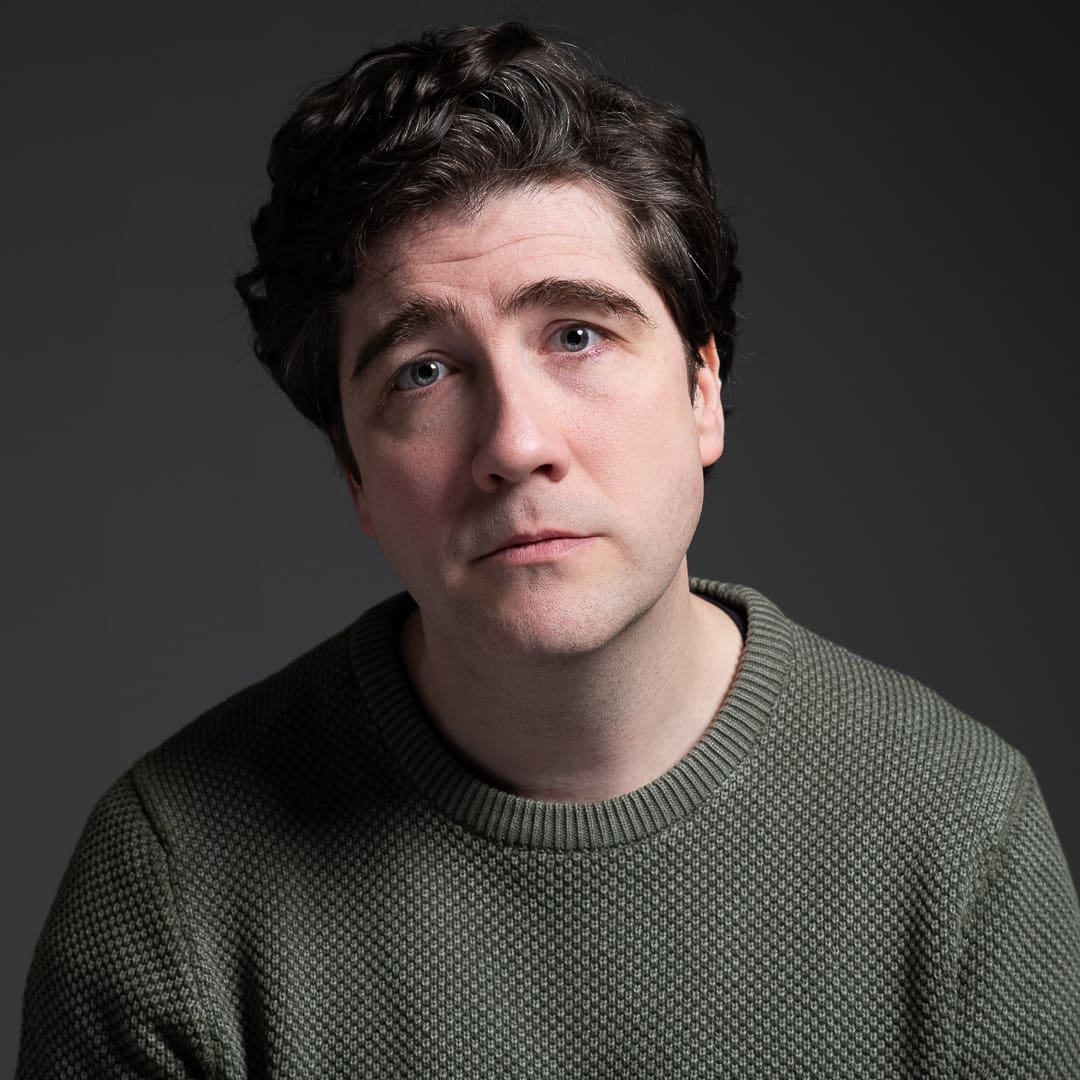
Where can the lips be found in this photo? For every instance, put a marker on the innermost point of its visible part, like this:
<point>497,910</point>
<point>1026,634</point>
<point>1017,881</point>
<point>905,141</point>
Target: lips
<point>523,538</point>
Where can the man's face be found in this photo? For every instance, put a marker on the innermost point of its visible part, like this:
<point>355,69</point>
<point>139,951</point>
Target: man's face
<point>515,395</point>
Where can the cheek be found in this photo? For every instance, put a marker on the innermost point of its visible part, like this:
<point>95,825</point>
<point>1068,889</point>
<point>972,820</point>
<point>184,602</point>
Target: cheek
<point>646,436</point>
<point>408,487</point>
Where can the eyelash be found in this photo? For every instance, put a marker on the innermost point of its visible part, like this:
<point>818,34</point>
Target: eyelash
<point>589,351</point>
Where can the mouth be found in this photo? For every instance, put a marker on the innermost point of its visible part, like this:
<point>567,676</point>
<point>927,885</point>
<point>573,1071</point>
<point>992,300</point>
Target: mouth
<point>537,546</point>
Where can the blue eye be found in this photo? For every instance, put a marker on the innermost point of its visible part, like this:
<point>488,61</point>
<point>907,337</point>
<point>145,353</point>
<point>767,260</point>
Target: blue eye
<point>417,375</point>
<point>576,338</point>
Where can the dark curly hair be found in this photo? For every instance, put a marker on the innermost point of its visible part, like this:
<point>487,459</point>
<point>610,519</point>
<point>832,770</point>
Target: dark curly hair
<point>454,118</point>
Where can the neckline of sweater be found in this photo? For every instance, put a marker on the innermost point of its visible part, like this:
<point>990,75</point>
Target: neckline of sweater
<point>439,775</point>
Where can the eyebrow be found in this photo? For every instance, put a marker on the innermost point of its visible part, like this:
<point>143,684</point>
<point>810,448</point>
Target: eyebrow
<point>412,320</point>
<point>553,292</point>
<point>421,314</point>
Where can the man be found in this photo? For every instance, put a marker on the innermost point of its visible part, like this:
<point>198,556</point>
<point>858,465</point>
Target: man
<point>557,810</point>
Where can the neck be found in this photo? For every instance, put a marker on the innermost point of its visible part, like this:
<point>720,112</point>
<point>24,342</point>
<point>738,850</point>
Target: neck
<point>588,727</point>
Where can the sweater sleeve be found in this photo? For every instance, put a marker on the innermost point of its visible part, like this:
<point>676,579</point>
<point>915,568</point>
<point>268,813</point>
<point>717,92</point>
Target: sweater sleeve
<point>1019,976</point>
<point>110,990</point>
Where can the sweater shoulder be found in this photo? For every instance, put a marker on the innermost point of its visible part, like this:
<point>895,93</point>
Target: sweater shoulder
<point>274,754</point>
<point>893,741</point>
<point>314,685</point>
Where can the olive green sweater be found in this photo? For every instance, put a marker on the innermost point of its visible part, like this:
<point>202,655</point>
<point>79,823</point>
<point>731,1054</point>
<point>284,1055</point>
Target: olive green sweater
<point>846,877</point>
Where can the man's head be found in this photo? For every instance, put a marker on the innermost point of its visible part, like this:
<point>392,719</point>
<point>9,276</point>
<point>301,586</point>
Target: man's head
<point>450,121</point>
<point>514,394</point>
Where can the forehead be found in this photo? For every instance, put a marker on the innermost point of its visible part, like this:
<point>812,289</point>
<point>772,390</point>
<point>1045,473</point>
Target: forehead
<point>527,233</point>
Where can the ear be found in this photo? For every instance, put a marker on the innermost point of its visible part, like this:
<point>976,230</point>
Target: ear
<point>708,411</point>
<point>356,493</point>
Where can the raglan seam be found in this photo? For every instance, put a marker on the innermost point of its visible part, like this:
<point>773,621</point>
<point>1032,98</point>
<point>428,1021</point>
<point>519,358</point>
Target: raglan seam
<point>995,858</point>
<point>210,1042</point>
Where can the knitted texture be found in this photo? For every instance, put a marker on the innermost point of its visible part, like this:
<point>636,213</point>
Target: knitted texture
<point>846,877</point>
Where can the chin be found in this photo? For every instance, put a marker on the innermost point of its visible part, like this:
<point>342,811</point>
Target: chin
<point>550,627</point>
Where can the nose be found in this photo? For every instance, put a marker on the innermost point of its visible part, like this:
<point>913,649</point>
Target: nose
<point>519,433</point>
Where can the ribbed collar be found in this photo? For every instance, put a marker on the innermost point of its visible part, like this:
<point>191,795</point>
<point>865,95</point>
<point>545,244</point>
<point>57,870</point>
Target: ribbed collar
<point>443,778</point>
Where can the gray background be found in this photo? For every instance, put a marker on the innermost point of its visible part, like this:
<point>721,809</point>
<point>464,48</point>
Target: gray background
<point>900,473</point>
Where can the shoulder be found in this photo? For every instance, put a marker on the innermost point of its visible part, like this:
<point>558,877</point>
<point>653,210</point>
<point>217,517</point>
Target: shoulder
<point>902,755</point>
<point>892,716</point>
<point>873,746</point>
<point>285,747</point>
<point>183,854</point>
